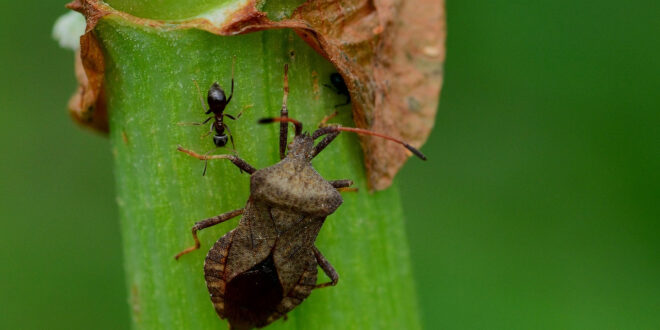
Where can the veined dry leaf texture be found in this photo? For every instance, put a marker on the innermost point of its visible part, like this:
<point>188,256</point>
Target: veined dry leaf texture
<point>389,52</point>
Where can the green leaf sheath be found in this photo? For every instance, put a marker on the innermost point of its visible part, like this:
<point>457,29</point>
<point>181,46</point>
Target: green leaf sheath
<point>162,193</point>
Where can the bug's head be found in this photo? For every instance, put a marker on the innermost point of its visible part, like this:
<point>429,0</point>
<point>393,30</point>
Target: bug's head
<point>301,148</point>
<point>216,97</point>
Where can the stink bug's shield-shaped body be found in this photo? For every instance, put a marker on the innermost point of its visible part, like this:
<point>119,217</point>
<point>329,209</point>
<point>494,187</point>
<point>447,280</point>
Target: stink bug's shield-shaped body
<point>266,266</point>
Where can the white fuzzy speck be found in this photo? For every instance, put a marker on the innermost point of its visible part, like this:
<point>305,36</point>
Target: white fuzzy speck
<point>68,28</point>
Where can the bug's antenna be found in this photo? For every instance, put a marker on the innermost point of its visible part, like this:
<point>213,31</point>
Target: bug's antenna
<point>233,63</point>
<point>284,127</point>
<point>284,121</point>
<point>286,86</point>
<point>336,128</point>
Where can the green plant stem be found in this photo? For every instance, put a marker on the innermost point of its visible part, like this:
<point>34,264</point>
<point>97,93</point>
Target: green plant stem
<point>161,192</point>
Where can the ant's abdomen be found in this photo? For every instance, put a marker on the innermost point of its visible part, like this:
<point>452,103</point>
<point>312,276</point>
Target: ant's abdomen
<point>220,140</point>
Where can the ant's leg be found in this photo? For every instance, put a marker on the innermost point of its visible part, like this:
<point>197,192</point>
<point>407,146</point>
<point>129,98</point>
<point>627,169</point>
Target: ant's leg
<point>231,138</point>
<point>348,101</point>
<point>195,124</point>
<point>332,88</point>
<point>327,268</point>
<point>243,165</point>
<point>201,99</point>
<point>206,162</point>
<point>205,224</point>
<point>239,114</point>
<point>233,146</point>
<point>207,133</point>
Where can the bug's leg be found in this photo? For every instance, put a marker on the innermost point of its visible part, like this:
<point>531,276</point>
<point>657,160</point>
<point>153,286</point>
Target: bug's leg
<point>233,61</point>
<point>243,165</point>
<point>324,143</point>
<point>341,183</point>
<point>327,268</point>
<point>284,113</point>
<point>205,224</point>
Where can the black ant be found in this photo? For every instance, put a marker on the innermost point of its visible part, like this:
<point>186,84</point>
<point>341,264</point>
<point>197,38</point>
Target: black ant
<point>218,101</point>
<point>339,87</point>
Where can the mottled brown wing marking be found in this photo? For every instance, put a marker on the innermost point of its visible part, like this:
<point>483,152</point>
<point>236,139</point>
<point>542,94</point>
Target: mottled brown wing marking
<point>252,240</point>
<point>272,220</point>
<point>293,253</point>
<point>300,292</point>
<point>214,271</point>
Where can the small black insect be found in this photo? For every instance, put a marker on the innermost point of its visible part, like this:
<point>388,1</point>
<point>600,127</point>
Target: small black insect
<point>218,101</point>
<point>339,87</point>
<point>267,265</point>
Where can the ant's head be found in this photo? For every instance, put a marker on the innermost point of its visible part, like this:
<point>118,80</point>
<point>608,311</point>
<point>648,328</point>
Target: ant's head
<point>216,97</point>
<point>220,140</point>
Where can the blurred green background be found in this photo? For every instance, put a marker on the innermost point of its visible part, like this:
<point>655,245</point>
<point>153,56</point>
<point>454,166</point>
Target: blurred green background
<point>538,208</point>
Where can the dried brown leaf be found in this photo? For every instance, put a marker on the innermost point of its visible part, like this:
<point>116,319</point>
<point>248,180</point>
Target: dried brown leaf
<point>87,104</point>
<point>390,53</point>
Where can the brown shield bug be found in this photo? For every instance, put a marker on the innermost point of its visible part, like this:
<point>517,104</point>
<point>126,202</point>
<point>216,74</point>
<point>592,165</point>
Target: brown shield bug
<point>265,267</point>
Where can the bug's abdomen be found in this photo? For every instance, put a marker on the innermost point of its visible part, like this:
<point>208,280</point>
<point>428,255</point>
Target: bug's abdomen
<point>251,297</point>
<point>295,297</point>
<point>214,272</point>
